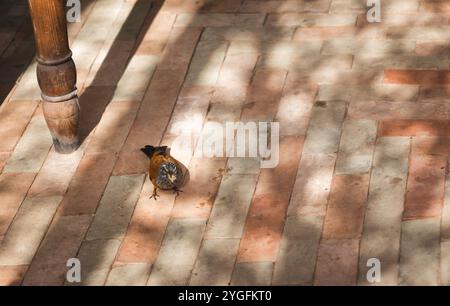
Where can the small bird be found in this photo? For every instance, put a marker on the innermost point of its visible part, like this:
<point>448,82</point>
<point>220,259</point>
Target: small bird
<point>165,171</point>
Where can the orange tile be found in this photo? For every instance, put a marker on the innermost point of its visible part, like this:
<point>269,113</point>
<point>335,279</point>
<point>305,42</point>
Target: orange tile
<point>264,94</point>
<point>431,48</point>
<point>420,77</point>
<point>346,207</point>
<point>267,213</point>
<point>4,156</point>
<point>14,117</point>
<point>147,227</point>
<point>62,241</point>
<point>434,145</point>
<point>414,128</point>
<point>198,195</point>
<point>14,187</point>
<point>12,275</point>
<point>87,185</point>
<point>425,188</point>
<point>337,262</point>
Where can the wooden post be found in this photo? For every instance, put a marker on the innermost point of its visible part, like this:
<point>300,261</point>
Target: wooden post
<point>56,73</point>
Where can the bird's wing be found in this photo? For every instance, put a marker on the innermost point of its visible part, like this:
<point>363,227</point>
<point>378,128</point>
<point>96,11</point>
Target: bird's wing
<point>155,163</point>
<point>173,160</point>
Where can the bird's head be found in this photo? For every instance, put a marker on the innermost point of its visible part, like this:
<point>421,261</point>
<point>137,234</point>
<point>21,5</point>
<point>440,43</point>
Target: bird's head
<point>171,173</point>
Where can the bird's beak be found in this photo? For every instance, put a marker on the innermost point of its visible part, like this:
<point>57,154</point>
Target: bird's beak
<point>172,178</point>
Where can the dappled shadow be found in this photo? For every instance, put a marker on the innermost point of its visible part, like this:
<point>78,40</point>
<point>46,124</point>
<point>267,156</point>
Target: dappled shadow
<point>100,90</point>
<point>16,44</point>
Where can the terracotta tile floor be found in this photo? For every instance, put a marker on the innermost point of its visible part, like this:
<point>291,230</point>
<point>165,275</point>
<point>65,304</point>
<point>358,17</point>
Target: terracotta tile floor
<point>364,113</point>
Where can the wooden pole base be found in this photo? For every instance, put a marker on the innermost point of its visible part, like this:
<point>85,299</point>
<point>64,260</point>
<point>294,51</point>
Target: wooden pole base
<point>62,121</point>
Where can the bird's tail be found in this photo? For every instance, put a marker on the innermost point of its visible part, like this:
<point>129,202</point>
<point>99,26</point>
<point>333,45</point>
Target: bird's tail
<point>151,150</point>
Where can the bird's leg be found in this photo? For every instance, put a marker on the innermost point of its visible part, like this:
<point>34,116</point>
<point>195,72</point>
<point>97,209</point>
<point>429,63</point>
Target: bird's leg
<point>155,194</point>
<point>177,191</point>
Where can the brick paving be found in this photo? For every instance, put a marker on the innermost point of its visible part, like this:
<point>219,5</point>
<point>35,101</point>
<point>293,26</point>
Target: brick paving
<point>364,115</point>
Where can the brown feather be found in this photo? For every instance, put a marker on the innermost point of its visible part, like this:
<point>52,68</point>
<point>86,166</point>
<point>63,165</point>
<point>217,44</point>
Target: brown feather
<point>155,163</point>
